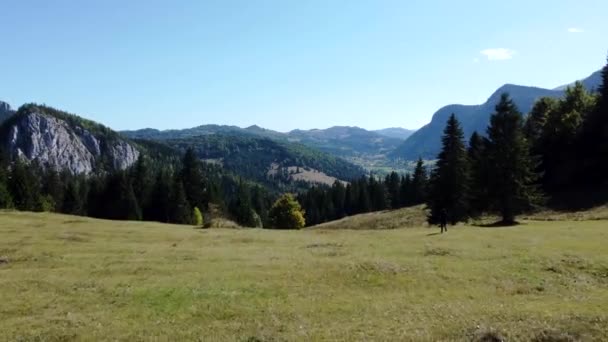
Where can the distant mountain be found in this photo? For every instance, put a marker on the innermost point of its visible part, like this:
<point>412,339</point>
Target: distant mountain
<point>341,141</point>
<point>344,141</point>
<point>5,111</point>
<point>426,142</point>
<point>591,83</point>
<point>395,132</point>
<point>63,141</point>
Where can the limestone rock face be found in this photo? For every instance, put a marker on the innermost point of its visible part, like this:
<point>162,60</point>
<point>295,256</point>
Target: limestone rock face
<point>53,143</point>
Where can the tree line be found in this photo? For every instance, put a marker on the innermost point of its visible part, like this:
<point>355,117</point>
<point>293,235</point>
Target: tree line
<point>169,190</point>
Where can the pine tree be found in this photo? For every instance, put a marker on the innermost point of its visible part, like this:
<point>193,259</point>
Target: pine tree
<point>338,195</point>
<point>159,207</point>
<point>393,186</point>
<point>241,207</point>
<point>511,188</point>
<point>192,178</point>
<point>449,184</point>
<point>6,200</point>
<point>593,142</point>
<point>406,191</point>
<point>142,180</point>
<point>419,183</point>
<point>478,188</point>
<point>23,185</point>
<point>180,211</point>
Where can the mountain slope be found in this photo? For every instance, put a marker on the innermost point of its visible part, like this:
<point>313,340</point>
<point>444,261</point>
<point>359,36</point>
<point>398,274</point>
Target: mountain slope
<point>267,161</point>
<point>345,141</point>
<point>395,132</point>
<point>340,141</point>
<point>426,142</point>
<point>63,141</point>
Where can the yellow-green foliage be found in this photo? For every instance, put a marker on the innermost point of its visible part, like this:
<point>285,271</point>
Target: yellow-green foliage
<point>198,217</point>
<point>286,213</point>
<point>65,278</point>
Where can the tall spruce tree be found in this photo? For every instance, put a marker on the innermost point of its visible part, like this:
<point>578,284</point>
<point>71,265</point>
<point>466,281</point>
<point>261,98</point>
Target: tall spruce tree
<point>593,142</point>
<point>180,210</point>
<point>420,182</point>
<point>511,187</point>
<point>192,179</point>
<point>393,186</point>
<point>449,184</point>
<point>479,176</point>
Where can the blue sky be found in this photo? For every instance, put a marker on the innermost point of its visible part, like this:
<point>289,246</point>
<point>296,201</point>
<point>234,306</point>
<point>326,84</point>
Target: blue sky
<point>285,64</point>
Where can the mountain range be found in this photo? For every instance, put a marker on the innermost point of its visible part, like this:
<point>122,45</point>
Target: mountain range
<point>341,141</point>
<point>426,142</point>
<point>67,142</point>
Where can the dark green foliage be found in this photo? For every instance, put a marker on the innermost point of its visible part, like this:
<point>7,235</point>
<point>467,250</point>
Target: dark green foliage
<point>420,182</point>
<point>250,157</point>
<point>393,186</point>
<point>24,186</point>
<point>241,207</point>
<point>6,199</point>
<point>593,142</point>
<point>449,184</point>
<point>479,175</point>
<point>179,208</point>
<point>191,176</point>
<point>511,186</point>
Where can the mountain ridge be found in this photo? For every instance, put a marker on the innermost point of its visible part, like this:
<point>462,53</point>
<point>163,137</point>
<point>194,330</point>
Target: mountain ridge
<point>426,142</point>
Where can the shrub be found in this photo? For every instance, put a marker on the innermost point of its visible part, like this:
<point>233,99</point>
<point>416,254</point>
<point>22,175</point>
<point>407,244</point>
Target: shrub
<point>197,217</point>
<point>286,213</point>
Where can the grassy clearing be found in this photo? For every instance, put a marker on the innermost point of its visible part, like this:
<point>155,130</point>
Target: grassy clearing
<point>67,278</point>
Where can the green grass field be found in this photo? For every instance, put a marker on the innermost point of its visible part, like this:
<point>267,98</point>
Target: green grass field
<point>67,278</point>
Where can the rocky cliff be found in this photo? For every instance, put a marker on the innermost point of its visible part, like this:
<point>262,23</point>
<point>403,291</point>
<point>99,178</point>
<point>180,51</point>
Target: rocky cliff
<point>64,142</point>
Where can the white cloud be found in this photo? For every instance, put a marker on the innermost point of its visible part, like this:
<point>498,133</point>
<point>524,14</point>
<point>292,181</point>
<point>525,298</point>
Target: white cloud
<point>576,30</point>
<point>499,54</point>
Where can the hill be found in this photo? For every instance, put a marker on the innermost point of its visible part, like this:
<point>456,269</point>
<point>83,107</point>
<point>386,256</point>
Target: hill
<point>64,141</point>
<point>395,132</point>
<point>426,142</point>
<point>272,162</point>
<point>73,278</point>
<point>353,143</point>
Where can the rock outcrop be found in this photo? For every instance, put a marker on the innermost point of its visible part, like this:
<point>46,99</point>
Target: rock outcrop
<point>55,143</point>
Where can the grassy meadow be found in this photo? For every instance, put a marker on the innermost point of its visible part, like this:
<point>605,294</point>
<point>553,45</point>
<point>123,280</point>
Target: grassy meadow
<point>66,278</point>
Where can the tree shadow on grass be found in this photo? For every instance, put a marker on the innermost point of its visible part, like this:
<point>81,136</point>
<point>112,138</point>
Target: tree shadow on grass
<point>499,224</point>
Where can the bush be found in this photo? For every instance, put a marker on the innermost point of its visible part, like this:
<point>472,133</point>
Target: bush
<point>197,217</point>
<point>286,213</point>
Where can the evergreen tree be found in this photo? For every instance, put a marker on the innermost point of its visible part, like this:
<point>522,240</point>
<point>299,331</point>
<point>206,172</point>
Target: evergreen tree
<point>536,120</point>
<point>6,200</point>
<point>393,186</point>
<point>142,180</point>
<point>406,191</point>
<point>192,179</point>
<point>180,211</point>
<point>159,206</point>
<point>23,185</point>
<point>72,203</point>
<point>338,192</point>
<point>128,201</point>
<point>511,188</point>
<point>419,183</point>
<point>593,142</point>
<point>449,185</point>
<point>241,207</point>
<point>478,161</point>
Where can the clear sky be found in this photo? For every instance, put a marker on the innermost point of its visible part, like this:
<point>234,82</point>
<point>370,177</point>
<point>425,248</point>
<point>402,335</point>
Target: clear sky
<point>285,64</point>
